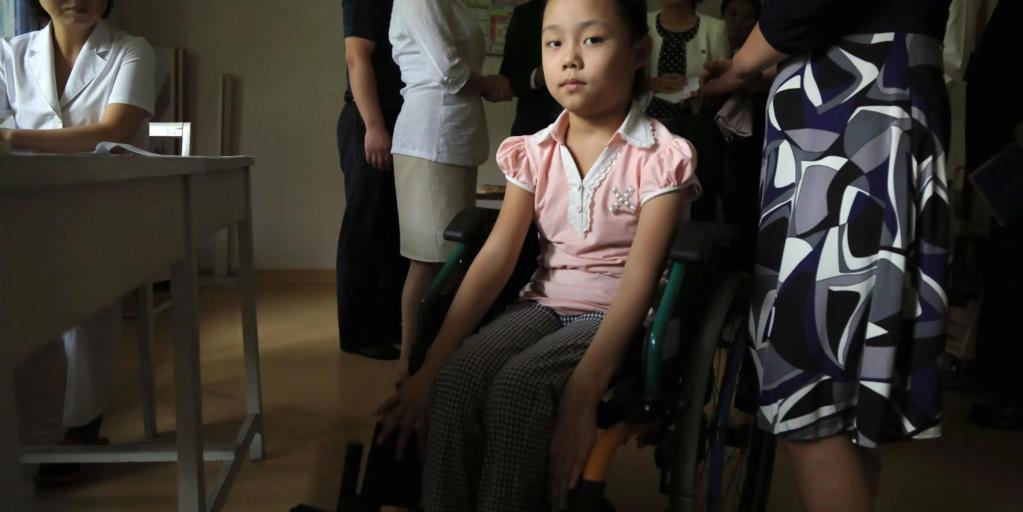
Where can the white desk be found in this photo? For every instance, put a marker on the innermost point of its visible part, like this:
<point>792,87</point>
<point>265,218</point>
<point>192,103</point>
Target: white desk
<point>77,232</point>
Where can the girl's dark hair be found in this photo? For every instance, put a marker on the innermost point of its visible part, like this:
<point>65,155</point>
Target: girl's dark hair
<point>37,8</point>
<point>754,3</point>
<point>634,13</point>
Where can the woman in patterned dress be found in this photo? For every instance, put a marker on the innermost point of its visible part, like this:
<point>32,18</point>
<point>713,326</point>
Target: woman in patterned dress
<point>848,316</point>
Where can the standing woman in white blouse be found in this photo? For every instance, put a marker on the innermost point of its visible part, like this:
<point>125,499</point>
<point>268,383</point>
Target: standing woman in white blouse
<point>440,137</point>
<point>67,87</point>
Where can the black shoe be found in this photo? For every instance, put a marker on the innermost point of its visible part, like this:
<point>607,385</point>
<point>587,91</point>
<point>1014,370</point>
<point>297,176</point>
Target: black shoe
<point>60,474</point>
<point>997,416</point>
<point>960,377</point>
<point>380,351</point>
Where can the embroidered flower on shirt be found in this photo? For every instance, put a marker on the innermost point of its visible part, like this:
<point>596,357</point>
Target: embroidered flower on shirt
<point>623,200</point>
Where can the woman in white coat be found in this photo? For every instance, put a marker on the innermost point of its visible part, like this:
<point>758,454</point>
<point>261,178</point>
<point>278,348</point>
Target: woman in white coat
<point>67,87</point>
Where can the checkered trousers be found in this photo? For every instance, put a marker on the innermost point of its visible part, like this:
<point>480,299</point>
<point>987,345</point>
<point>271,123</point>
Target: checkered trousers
<point>493,411</point>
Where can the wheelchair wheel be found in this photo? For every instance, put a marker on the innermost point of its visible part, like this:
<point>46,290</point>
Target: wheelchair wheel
<point>722,462</point>
<point>734,465</point>
<point>735,457</point>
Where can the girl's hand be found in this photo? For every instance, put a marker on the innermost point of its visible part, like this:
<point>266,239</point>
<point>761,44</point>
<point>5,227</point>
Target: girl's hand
<point>574,435</point>
<point>671,82</point>
<point>406,410</point>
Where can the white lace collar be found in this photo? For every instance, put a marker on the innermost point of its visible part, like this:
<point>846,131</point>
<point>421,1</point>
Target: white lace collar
<point>637,130</point>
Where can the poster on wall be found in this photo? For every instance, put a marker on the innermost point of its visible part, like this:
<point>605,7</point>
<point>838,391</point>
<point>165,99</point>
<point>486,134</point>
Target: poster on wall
<point>493,17</point>
<point>16,18</point>
<point>6,18</point>
<point>169,105</point>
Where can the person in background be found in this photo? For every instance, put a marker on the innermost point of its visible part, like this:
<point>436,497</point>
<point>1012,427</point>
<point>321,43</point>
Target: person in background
<point>536,109</point>
<point>69,86</point>
<point>440,137</point>
<point>683,41</point>
<point>849,311</point>
<point>742,155</point>
<point>994,119</point>
<point>370,268</point>
<point>740,17</point>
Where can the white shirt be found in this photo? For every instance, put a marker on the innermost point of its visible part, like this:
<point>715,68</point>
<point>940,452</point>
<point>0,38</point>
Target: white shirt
<point>113,67</point>
<point>709,43</point>
<point>438,45</point>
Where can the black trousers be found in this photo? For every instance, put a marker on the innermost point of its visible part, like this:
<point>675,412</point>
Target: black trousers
<point>999,337</point>
<point>701,131</point>
<point>370,269</point>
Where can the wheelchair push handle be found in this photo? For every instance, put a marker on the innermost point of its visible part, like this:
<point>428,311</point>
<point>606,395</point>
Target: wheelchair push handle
<point>698,242</point>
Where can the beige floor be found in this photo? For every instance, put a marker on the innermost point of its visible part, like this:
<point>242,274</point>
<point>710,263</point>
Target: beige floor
<point>317,399</point>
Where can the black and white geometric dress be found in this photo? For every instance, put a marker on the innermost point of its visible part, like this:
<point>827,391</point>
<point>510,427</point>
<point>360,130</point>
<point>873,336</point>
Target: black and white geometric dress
<point>848,317</point>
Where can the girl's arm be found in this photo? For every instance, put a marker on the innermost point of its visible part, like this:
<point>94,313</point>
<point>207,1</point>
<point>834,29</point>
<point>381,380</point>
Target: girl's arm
<point>405,410</point>
<point>486,277</point>
<point>119,123</point>
<point>643,270</point>
<point>576,428</point>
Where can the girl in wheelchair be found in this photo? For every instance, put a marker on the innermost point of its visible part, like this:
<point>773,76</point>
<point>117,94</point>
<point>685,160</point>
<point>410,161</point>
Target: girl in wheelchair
<point>508,415</point>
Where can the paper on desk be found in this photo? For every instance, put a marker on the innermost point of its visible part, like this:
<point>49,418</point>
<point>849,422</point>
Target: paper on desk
<point>119,148</point>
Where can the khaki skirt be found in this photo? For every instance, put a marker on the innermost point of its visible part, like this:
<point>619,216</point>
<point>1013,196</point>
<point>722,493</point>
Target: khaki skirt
<point>430,194</point>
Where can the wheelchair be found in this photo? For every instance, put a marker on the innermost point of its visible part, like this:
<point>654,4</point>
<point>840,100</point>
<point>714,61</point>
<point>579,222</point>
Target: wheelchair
<point>689,390</point>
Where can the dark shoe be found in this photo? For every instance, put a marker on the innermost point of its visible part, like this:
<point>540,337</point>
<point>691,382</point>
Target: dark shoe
<point>66,473</point>
<point>997,416</point>
<point>960,377</point>
<point>50,476</point>
<point>380,351</point>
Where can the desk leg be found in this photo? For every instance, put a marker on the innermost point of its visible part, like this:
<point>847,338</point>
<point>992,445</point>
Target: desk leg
<point>14,494</point>
<point>144,319</point>
<point>187,384</point>
<point>250,335</point>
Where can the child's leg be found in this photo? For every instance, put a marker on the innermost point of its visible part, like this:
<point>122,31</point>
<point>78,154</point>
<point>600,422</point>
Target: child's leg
<point>454,452</point>
<point>519,418</point>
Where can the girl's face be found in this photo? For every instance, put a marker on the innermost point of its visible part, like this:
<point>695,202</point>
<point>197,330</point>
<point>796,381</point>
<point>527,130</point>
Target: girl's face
<point>590,56</point>
<point>740,17</point>
<point>82,13</point>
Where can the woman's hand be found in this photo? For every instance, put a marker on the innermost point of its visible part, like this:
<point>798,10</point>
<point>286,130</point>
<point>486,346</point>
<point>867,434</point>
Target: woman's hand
<point>378,147</point>
<point>671,82</point>
<point>716,82</point>
<point>574,435</point>
<point>496,88</point>
<point>406,411</point>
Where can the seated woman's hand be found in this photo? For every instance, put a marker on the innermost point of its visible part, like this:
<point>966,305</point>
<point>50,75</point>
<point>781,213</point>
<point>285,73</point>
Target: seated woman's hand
<point>574,435</point>
<point>405,411</point>
<point>670,82</point>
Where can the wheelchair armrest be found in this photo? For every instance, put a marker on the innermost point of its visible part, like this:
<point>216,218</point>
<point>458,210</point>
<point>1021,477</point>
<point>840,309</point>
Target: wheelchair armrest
<point>696,242</point>
<point>471,226</point>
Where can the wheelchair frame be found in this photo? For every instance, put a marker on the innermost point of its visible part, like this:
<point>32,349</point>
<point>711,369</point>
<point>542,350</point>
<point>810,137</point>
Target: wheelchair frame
<point>694,243</point>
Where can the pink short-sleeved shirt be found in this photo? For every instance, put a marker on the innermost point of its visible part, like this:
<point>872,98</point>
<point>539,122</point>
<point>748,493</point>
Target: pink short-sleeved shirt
<point>587,224</point>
